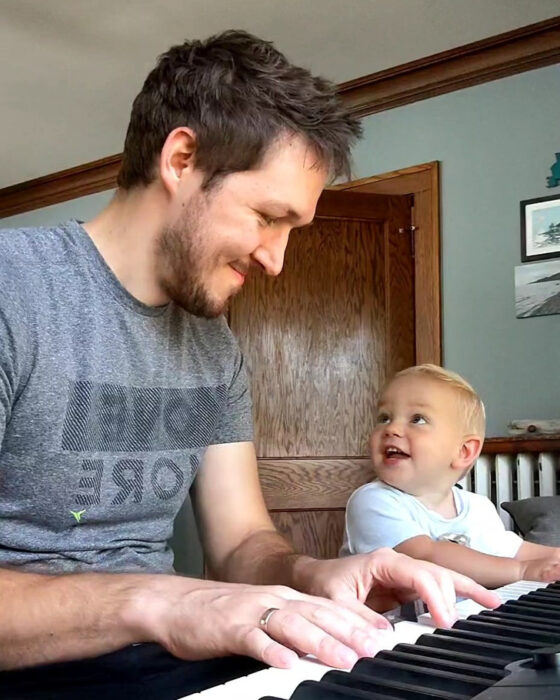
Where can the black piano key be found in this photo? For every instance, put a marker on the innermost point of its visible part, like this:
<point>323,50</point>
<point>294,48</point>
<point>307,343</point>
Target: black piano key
<point>528,609</point>
<point>479,670</point>
<point>552,596</point>
<point>463,644</point>
<point>393,687</point>
<point>420,675</point>
<point>483,638</point>
<point>503,628</point>
<point>551,607</point>
<point>320,690</point>
<point>518,617</point>
<point>481,660</point>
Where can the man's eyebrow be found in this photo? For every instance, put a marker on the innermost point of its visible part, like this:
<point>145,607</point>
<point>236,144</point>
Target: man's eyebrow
<point>280,210</point>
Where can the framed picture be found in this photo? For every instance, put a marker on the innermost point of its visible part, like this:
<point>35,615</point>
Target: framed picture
<point>537,289</point>
<point>540,228</point>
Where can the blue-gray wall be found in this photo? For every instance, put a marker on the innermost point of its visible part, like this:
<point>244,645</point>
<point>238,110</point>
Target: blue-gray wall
<point>496,143</point>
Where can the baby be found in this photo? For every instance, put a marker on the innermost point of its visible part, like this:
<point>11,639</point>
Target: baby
<point>429,432</point>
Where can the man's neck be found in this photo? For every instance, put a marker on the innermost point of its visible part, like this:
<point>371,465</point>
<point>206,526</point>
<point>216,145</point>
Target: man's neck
<point>125,234</point>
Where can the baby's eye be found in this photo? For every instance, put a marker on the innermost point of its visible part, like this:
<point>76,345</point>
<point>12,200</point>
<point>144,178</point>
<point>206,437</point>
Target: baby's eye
<point>417,419</point>
<point>382,418</point>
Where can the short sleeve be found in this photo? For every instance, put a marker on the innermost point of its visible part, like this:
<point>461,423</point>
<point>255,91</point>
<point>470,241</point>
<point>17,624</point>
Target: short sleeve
<point>497,541</point>
<point>376,517</point>
<point>236,421</point>
<point>13,358</point>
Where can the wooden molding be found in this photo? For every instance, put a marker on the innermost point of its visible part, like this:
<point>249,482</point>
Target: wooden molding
<point>97,176</point>
<point>520,50</point>
<point>523,49</point>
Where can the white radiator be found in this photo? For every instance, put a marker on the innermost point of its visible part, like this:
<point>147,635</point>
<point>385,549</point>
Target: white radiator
<point>511,477</point>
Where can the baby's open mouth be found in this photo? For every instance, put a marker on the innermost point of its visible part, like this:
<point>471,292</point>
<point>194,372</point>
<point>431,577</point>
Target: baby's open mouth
<point>395,452</point>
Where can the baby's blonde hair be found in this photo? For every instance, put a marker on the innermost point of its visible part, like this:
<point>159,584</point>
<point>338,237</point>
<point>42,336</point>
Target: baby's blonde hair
<point>470,403</point>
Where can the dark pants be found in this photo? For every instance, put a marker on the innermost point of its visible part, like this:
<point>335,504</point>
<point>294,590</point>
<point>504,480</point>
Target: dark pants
<point>141,672</point>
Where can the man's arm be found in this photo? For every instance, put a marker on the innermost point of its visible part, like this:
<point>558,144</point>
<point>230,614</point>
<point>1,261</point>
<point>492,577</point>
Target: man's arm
<point>486,569</point>
<point>240,541</point>
<point>241,544</point>
<point>53,618</point>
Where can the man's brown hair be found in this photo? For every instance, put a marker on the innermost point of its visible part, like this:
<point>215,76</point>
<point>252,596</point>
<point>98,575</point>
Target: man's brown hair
<point>238,94</point>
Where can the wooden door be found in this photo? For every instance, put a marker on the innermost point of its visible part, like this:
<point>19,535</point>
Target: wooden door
<point>320,341</point>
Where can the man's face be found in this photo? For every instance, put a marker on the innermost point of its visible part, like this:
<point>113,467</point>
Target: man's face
<point>219,235</point>
<point>418,433</point>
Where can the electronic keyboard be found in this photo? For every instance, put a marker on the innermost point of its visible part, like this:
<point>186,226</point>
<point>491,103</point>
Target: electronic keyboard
<point>511,653</point>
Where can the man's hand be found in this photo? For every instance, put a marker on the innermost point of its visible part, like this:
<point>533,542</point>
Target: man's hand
<point>385,579</point>
<point>216,619</point>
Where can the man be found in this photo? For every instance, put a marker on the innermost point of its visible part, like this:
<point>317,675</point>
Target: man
<point>121,386</point>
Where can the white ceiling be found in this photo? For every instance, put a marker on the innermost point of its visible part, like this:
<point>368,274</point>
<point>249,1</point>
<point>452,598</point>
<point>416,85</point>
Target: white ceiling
<point>69,69</point>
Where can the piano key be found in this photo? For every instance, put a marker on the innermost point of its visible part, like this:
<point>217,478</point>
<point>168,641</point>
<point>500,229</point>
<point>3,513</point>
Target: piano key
<point>503,628</point>
<point>482,662</point>
<point>477,669</point>
<point>466,607</point>
<point>461,645</point>
<point>283,682</point>
<point>381,671</point>
<point>415,644</point>
<point>521,619</point>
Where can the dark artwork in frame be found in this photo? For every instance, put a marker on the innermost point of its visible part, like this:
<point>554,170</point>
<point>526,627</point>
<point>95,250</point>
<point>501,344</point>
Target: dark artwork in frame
<point>540,228</point>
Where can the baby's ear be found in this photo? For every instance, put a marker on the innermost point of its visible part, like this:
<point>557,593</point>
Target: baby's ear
<point>468,452</point>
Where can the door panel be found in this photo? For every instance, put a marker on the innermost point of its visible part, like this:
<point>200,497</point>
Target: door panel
<point>322,338</point>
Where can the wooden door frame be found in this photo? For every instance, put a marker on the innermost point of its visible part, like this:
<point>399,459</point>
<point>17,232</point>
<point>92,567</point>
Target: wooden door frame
<point>422,182</point>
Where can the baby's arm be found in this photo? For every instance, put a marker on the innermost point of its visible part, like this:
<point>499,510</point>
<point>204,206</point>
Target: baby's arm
<point>530,550</point>
<point>488,570</point>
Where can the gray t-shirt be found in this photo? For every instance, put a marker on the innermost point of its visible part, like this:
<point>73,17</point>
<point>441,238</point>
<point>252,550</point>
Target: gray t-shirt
<point>106,408</point>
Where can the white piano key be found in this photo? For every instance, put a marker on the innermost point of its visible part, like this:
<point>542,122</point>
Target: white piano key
<point>283,682</point>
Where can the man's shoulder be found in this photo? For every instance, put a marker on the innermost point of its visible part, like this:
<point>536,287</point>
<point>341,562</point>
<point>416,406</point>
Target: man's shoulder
<point>24,246</point>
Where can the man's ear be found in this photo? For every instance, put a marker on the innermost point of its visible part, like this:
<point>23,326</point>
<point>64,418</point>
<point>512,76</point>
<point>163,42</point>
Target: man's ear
<point>468,452</point>
<point>177,157</point>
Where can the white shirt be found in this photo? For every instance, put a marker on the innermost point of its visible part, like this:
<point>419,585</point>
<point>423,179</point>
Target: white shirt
<point>378,515</point>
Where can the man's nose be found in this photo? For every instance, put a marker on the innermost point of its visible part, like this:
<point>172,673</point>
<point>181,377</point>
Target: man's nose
<point>270,252</point>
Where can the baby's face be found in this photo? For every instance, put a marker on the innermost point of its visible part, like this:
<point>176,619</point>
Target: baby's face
<point>418,433</point>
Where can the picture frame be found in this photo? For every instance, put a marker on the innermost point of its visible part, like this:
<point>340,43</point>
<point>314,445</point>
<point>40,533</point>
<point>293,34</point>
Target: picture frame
<point>540,228</point>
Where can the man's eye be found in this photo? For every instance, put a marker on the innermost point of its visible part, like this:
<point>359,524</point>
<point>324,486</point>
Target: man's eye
<point>418,419</point>
<point>268,220</point>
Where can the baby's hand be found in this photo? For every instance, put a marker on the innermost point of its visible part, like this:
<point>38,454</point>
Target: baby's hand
<point>546,569</point>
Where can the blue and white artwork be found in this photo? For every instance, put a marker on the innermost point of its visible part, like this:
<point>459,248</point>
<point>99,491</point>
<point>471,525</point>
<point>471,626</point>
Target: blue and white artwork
<point>542,228</point>
<point>537,289</point>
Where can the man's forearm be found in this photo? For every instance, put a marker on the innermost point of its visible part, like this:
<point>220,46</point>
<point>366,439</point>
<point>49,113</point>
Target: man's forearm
<point>54,618</point>
<point>266,558</point>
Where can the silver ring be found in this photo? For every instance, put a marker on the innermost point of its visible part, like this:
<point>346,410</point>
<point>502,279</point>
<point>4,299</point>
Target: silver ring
<point>265,618</point>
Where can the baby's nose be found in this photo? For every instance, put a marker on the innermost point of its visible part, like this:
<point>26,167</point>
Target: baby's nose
<point>393,428</point>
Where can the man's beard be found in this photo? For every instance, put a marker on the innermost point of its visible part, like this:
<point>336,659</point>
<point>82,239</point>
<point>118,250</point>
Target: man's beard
<point>184,255</point>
